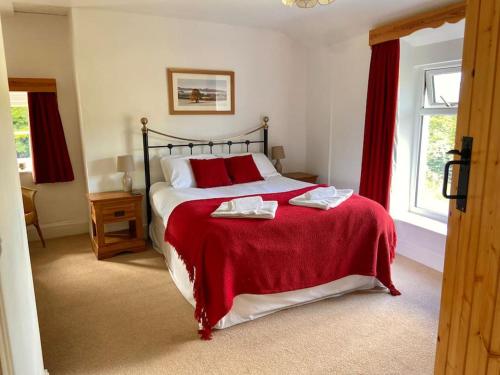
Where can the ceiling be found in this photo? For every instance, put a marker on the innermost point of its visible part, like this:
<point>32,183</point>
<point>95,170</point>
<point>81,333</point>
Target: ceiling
<point>321,25</point>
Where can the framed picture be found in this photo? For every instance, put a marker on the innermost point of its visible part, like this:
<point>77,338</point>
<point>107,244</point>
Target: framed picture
<point>200,92</point>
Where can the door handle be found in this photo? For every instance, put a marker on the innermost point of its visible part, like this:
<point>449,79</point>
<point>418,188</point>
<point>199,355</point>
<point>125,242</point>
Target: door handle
<point>447,167</point>
<point>463,176</point>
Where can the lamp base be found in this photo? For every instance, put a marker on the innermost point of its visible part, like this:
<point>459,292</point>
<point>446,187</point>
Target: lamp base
<point>127,183</point>
<point>278,166</point>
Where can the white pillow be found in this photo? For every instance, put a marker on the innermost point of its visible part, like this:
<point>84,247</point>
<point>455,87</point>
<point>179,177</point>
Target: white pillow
<point>177,169</point>
<point>264,165</point>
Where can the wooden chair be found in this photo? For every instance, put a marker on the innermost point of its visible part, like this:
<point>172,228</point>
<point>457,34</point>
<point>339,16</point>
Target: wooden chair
<point>30,214</point>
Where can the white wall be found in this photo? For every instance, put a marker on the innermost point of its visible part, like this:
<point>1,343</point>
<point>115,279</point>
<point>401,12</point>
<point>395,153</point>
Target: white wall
<point>121,61</point>
<point>319,112</point>
<point>347,64</point>
<point>39,46</point>
<point>18,316</point>
<point>315,97</point>
<point>337,84</point>
<point>346,67</point>
<point>350,67</point>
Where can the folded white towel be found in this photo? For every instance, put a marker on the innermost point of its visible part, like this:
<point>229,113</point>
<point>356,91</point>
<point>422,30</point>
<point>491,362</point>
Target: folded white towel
<point>325,203</point>
<point>266,211</point>
<point>246,204</point>
<point>320,193</point>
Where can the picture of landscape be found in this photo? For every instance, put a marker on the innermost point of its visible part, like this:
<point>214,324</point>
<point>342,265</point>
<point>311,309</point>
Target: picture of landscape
<point>200,91</point>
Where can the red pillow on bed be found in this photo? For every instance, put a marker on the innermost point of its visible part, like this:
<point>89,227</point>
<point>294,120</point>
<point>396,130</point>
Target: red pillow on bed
<point>242,169</point>
<point>210,172</point>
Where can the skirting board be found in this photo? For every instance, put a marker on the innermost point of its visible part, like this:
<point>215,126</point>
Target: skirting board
<point>59,229</point>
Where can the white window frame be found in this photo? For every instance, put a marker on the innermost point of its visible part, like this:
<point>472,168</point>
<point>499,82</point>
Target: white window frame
<point>426,74</point>
<point>27,161</point>
<point>429,83</point>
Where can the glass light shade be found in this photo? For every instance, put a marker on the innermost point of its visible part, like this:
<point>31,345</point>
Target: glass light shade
<point>306,3</point>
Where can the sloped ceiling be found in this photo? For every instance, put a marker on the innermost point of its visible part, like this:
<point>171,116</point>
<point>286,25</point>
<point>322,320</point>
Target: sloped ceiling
<point>321,25</point>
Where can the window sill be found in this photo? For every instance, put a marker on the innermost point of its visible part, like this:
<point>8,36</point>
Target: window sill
<point>25,172</point>
<point>420,221</point>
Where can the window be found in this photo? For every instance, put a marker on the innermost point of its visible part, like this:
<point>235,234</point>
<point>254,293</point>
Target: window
<point>20,119</point>
<point>442,87</point>
<point>437,120</point>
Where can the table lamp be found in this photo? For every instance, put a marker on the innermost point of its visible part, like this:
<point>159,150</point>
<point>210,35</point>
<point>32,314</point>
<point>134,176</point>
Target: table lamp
<point>125,163</point>
<point>278,153</point>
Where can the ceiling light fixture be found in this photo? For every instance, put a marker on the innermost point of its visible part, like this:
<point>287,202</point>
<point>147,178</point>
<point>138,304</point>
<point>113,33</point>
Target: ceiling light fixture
<point>306,3</point>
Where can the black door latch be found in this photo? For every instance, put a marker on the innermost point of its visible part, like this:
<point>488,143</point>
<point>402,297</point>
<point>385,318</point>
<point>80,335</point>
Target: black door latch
<point>463,177</point>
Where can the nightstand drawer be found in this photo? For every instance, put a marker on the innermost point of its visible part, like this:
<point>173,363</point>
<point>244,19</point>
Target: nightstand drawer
<point>118,212</point>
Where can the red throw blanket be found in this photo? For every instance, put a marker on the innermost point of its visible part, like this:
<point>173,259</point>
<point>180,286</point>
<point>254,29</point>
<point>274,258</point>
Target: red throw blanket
<point>301,248</point>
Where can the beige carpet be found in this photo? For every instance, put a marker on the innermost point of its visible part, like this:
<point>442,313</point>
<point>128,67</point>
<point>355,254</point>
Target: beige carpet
<point>125,316</point>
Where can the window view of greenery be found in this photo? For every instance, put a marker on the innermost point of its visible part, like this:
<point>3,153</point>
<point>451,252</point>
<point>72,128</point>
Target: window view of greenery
<point>20,122</point>
<point>438,136</point>
<point>438,116</point>
<point>21,131</point>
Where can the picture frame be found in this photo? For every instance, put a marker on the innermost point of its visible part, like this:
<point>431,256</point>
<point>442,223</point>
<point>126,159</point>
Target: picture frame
<point>200,91</point>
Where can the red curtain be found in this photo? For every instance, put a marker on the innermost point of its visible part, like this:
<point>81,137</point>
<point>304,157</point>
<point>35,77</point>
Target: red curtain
<point>380,123</point>
<point>51,162</point>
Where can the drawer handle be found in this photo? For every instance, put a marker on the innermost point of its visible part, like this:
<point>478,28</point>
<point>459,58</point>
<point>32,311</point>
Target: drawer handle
<point>119,213</point>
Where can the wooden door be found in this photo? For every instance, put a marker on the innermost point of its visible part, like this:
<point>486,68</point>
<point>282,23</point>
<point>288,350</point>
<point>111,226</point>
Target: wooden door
<point>469,327</point>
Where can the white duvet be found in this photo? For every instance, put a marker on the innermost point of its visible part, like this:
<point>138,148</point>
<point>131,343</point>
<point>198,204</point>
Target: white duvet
<point>246,307</point>
<point>164,198</point>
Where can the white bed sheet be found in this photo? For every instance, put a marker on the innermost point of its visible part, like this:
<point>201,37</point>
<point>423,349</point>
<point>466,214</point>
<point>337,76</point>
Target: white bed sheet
<point>246,307</point>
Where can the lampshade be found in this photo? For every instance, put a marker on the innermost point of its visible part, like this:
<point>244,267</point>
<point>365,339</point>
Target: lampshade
<point>306,3</point>
<point>125,163</point>
<point>277,153</point>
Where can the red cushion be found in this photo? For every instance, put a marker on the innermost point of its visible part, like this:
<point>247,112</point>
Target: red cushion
<point>210,172</point>
<point>242,169</point>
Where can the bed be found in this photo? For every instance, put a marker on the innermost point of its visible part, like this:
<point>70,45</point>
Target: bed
<point>165,200</point>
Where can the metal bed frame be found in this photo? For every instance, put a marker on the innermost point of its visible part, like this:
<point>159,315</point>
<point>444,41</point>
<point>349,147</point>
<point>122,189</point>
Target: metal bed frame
<point>229,141</point>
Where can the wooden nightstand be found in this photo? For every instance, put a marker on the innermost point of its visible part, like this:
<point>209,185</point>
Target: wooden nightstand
<point>111,208</point>
<point>301,176</point>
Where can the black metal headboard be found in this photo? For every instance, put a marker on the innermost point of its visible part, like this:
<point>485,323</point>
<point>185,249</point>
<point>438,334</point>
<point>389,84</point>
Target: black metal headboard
<point>194,143</point>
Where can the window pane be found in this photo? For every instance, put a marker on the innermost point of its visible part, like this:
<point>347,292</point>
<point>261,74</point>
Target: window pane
<point>447,86</point>
<point>438,136</point>
<point>20,119</point>
<point>22,145</point>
